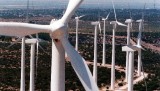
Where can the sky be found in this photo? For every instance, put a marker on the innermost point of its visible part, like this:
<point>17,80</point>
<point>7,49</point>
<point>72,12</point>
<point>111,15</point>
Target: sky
<point>86,3</point>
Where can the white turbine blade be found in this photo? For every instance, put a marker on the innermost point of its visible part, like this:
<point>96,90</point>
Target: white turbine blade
<point>40,40</point>
<point>131,26</point>
<point>22,29</point>
<point>30,36</point>
<point>121,24</point>
<point>139,46</point>
<point>19,39</point>
<point>80,67</point>
<point>100,29</point>
<point>82,16</point>
<point>115,15</point>
<point>143,11</point>
<point>72,6</point>
<point>42,48</point>
<point>76,14</point>
<point>143,48</point>
<point>107,16</point>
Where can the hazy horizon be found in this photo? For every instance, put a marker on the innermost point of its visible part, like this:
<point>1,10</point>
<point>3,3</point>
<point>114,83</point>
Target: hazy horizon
<point>10,4</point>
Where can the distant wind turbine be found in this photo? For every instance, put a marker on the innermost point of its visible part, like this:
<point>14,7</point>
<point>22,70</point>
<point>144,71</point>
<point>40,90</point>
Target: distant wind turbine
<point>139,45</point>
<point>104,39</point>
<point>129,27</point>
<point>32,42</point>
<point>114,23</point>
<point>96,24</point>
<point>141,28</point>
<point>77,25</point>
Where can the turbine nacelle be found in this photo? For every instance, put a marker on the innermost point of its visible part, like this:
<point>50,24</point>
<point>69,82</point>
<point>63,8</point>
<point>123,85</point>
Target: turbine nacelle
<point>114,23</point>
<point>128,21</point>
<point>95,23</point>
<point>140,20</point>
<point>31,41</point>
<point>77,18</point>
<point>103,19</point>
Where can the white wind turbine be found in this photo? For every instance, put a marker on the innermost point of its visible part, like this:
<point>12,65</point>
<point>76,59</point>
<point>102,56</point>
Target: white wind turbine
<point>32,42</point>
<point>104,39</point>
<point>129,27</point>
<point>77,25</point>
<point>139,45</point>
<point>37,48</point>
<point>114,23</point>
<point>141,28</point>
<point>96,24</point>
<point>60,44</point>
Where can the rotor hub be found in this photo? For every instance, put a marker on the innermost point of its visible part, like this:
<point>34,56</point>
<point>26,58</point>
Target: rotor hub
<point>58,30</point>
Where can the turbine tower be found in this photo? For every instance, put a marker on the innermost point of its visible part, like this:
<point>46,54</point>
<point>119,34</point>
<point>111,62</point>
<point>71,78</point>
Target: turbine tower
<point>96,24</point>
<point>104,39</point>
<point>60,44</point>
<point>22,81</point>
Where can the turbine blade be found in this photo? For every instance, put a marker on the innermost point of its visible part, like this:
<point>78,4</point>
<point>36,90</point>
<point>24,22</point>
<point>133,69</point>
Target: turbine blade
<point>19,39</point>
<point>72,6</point>
<point>107,16</point>
<point>76,14</point>
<point>42,49</point>
<point>141,47</point>
<point>131,26</point>
<point>30,36</point>
<point>80,67</point>
<point>37,36</point>
<point>143,11</point>
<point>100,29</point>
<point>37,53</point>
<point>121,24</point>
<point>22,29</point>
<point>82,16</point>
<point>115,15</point>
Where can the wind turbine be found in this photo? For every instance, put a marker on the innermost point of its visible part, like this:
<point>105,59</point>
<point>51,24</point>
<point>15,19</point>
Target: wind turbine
<point>114,23</point>
<point>77,25</point>
<point>113,56</point>
<point>96,24</point>
<point>104,40</point>
<point>129,27</point>
<point>32,62</point>
<point>131,49</point>
<point>139,45</point>
<point>60,44</point>
<point>141,28</point>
